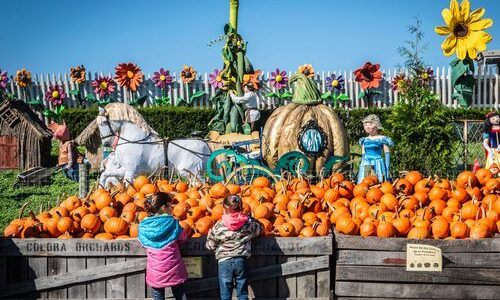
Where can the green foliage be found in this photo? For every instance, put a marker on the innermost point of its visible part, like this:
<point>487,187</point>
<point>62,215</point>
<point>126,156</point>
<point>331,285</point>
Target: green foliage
<point>12,198</point>
<point>168,121</point>
<point>420,125</point>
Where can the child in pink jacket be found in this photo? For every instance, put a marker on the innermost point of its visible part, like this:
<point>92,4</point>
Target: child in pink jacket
<point>161,235</point>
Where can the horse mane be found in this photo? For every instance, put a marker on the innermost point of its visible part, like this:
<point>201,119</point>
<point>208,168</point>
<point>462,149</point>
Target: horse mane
<point>123,112</point>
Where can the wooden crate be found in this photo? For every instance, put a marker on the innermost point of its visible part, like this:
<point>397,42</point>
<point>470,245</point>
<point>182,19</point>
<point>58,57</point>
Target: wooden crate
<point>280,268</point>
<point>376,268</point>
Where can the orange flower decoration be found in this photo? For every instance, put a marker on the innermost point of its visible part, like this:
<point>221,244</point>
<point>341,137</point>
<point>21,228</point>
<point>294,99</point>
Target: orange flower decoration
<point>253,79</point>
<point>188,74</point>
<point>307,70</point>
<point>369,76</point>
<point>129,75</point>
<point>77,74</point>
<point>23,78</point>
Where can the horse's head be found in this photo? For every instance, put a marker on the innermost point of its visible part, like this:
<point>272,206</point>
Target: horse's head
<point>108,129</point>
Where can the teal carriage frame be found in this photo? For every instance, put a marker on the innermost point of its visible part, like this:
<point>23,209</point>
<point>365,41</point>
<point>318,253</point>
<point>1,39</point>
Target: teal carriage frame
<point>231,163</point>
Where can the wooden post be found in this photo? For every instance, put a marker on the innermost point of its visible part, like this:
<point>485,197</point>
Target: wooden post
<point>83,186</point>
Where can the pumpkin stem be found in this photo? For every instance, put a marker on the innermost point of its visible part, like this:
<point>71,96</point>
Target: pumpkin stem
<point>306,91</point>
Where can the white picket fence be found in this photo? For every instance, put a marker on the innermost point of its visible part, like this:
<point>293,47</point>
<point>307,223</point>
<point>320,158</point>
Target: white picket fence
<point>486,93</point>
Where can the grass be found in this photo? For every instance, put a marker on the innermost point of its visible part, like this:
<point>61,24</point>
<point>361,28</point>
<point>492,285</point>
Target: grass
<point>12,198</point>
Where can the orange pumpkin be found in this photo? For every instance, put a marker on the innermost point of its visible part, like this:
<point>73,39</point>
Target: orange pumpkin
<point>116,226</point>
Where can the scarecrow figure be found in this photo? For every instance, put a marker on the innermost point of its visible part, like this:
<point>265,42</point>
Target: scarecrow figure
<point>491,139</point>
<point>69,157</point>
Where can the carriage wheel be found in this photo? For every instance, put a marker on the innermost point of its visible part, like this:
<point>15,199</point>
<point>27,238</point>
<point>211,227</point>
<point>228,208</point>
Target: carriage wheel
<point>333,164</point>
<point>291,162</point>
<point>222,162</point>
<point>246,173</point>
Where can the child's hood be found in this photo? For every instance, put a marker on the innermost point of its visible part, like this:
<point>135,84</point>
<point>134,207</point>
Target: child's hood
<point>158,231</point>
<point>234,221</point>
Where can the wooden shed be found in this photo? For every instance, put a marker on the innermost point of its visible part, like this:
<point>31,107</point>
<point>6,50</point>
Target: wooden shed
<point>91,139</point>
<point>25,141</point>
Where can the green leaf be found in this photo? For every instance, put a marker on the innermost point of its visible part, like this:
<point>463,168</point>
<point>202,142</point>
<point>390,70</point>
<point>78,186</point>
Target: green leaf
<point>362,95</point>
<point>326,95</point>
<point>34,102</point>
<point>48,113</point>
<point>343,97</point>
<point>198,94</point>
<point>91,98</point>
<point>273,95</point>
<point>286,95</point>
<point>74,92</point>
<point>179,101</point>
<point>375,92</point>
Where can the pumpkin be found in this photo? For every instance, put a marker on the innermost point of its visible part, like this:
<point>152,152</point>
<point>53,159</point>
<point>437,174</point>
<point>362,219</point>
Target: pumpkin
<point>148,189</point>
<point>413,177</point>
<point>65,224</point>
<point>90,223</point>
<point>418,233</point>
<point>466,179</point>
<point>103,199</point>
<point>385,229</point>
<point>374,195</point>
<point>440,228</point>
<point>204,224</point>
<point>116,226</point>
<point>218,190</point>
<point>307,231</point>
<point>286,229</point>
<point>402,226</point>
<point>107,212</point>
<point>368,229</point>
<point>404,186</point>
<point>71,203</point>
<point>285,129</point>
<point>181,187</point>
<point>345,224</point>
<point>140,181</point>
<point>483,175</point>
<point>103,236</point>
<point>266,225</point>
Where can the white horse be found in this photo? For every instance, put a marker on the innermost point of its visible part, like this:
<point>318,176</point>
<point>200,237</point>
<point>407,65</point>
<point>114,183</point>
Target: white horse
<point>140,149</point>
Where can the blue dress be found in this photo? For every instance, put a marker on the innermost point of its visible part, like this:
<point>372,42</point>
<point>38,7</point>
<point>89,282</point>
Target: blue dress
<point>374,156</point>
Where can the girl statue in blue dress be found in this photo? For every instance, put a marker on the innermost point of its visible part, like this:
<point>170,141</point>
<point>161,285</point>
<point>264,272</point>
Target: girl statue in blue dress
<point>375,150</point>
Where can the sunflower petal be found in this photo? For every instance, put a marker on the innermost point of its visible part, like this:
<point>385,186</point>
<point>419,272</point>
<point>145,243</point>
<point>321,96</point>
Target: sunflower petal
<point>449,44</point>
<point>481,24</point>
<point>442,30</point>
<point>476,15</point>
<point>455,9</point>
<point>461,49</point>
<point>464,10</point>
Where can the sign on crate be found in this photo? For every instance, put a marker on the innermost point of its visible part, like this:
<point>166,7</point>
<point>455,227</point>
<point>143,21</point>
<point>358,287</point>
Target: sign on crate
<point>423,258</point>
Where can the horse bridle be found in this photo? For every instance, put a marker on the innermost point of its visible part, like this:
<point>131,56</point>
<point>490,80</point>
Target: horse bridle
<point>113,133</point>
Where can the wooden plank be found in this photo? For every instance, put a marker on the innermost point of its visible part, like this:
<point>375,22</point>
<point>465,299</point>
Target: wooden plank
<point>296,267</point>
<point>263,288</point>
<point>56,265</point>
<point>399,244</point>
<point>192,247</point>
<point>60,279</point>
<point>136,288</point>
<point>399,274</point>
<point>39,269</point>
<point>306,283</point>
<point>323,283</point>
<point>75,264</point>
<point>68,248</point>
<point>3,272</point>
<point>404,291</point>
<point>391,258</point>
<point>209,269</point>
<point>115,288</point>
<point>287,285</point>
<point>96,289</point>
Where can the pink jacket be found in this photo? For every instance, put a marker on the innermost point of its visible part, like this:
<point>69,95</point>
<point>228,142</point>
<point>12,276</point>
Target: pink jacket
<point>164,262</point>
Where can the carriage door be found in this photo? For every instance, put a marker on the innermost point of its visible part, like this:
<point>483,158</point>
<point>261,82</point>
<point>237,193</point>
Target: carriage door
<point>8,152</point>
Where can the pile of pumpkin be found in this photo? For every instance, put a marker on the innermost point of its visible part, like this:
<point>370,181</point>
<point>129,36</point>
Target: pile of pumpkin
<point>421,208</point>
<point>291,208</point>
<point>413,206</point>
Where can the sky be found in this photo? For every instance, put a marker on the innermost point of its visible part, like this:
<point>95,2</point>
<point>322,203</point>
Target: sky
<point>53,35</point>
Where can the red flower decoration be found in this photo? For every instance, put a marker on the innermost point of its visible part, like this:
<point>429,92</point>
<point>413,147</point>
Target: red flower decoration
<point>369,76</point>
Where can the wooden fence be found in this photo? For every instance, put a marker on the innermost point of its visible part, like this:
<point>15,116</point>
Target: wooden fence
<point>280,268</point>
<point>486,93</point>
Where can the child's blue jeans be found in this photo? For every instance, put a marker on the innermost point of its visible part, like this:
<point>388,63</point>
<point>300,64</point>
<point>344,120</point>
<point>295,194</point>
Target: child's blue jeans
<point>229,269</point>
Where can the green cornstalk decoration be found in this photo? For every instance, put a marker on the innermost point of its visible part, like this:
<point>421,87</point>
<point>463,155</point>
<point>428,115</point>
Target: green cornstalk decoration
<point>229,117</point>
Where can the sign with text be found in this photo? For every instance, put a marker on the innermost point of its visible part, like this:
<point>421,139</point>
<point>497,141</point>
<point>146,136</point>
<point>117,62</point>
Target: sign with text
<point>423,258</point>
<point>194,266</point>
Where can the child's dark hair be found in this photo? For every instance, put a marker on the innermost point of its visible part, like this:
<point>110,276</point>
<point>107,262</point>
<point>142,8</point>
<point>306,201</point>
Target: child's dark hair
<point>154,203</point>
<point>250,87</point>
<point>233,203</point>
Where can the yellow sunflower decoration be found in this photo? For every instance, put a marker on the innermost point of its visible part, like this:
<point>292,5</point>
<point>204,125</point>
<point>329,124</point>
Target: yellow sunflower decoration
<point>306,69</point>
<point>464,30</point>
